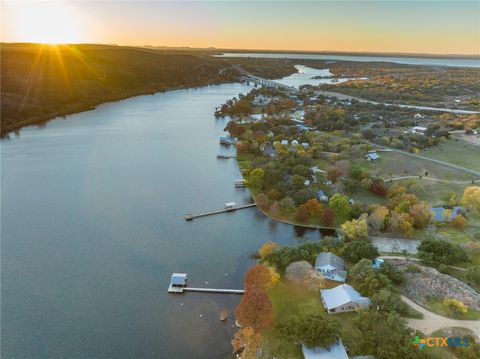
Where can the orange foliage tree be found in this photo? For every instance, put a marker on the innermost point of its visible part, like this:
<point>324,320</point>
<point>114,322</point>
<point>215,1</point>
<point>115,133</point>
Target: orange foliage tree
<point>255,310</point>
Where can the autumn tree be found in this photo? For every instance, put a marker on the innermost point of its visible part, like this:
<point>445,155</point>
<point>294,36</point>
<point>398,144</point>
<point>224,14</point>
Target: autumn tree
<point>459,221</point>
<point>422,214</point>
<point>246,342</point>
<point>455,306</point>
<point>302,272</point>
<point>377,219</point>
<point>401,223</point>
<point>327,217</point>
<point>314,207</point>
<point>255,310</point>
<point>260,276</point>
<point>356,228</point>
<point>267,248</point>
<point>471,198</point>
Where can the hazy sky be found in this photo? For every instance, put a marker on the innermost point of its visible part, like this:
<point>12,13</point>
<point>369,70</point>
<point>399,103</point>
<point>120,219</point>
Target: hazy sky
<point>384,26</point>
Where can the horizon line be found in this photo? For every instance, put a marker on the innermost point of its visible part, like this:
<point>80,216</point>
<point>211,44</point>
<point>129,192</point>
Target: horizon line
<point>250,50</point>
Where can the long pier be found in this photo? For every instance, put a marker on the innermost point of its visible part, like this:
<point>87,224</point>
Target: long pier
<point>214,290</point>
<point>191,217</point>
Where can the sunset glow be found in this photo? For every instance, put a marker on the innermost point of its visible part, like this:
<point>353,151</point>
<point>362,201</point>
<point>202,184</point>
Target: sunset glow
<point>52,22</point>
<point>442,27</point>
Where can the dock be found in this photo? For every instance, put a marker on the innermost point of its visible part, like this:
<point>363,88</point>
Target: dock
<point>225,157</point>
<point>178,284</point>
<point>191,217</point>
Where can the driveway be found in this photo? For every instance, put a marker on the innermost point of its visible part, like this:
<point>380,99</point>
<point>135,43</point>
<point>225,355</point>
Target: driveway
<point>432,322</point>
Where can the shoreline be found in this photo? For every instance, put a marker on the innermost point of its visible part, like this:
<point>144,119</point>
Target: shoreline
<point>43,120</point>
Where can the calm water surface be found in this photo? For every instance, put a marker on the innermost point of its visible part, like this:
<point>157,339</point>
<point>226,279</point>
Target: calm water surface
<point>336,57</point>
<point>93,226</point>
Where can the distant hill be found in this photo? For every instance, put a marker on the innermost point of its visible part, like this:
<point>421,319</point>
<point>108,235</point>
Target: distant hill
<point>40,82</point>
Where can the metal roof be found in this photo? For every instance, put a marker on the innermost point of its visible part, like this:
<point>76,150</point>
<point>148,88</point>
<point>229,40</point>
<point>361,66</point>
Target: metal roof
<point>343,294</point>
<point>334,351</point>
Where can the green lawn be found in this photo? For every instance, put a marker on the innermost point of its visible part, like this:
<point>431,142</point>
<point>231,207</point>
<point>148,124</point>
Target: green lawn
<point>289,300</point>
<point>395,164</point>
<point>457,152</point>
<point>436,306</point>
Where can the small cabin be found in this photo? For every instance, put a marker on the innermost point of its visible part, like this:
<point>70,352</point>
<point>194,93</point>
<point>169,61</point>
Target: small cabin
<point>322,196</point>
<point>230,206</point>
<point>177,283</point>
<point>371,156</point>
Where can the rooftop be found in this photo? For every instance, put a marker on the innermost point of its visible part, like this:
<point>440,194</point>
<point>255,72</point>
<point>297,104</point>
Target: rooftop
<point>342,294</point>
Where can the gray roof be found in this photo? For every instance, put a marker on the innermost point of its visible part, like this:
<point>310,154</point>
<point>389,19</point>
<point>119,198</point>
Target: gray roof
<point>373,156</point>
<point>334,351</point>
<point>178,278</point>
<point>343,294</point>
<point>326,258</point>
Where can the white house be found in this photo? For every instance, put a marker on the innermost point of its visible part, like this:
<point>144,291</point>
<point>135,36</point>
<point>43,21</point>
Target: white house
<point>419,130</point>
<point>343,298</point>
<point>284,142</point>
<point>373,156</point>
<point>334,351</point>
<point>261,100</point>
<point>418,116</point>
<point>331,266</point>
<point>294,143</point>
<point>322,196</point>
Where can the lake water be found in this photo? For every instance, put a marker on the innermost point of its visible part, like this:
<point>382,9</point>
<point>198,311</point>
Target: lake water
<point>306,76</point>
<point>93,225</point>
<point>336,57</point>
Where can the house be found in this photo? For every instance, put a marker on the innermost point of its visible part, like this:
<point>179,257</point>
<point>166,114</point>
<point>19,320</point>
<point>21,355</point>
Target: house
<point>334,351</point>
<point>373,156</point>
<point>305,145</point>
<point>284,142</point>
<point>294,143</point>
<point>261,100</point>
<point>322,196</point>
<point>331,266</point>
<point>178,281</point>
<point>418,130</point>
<point>418,116</point>
<point>343,298</point>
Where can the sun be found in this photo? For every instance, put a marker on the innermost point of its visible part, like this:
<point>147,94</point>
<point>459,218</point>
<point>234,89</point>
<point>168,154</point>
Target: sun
<point>49,22</point>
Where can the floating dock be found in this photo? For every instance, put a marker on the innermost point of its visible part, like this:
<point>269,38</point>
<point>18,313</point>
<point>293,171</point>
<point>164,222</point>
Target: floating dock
<point>225,157</point>
<point>178,284</point>
<point>191,217</point>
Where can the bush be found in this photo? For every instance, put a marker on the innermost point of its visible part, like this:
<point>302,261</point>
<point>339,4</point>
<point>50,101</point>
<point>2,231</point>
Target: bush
<point>412,268</point>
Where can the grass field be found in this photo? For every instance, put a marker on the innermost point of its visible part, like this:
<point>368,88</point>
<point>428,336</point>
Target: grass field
<point>457,152</point>
<point>437,306</point>
<point>395,164</point>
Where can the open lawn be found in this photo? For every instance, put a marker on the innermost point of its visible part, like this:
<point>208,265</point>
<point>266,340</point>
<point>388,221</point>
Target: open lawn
<point>395,164</point>
<point>289,300</point>
<point>437,306</point>
<point>435,193</point>
<point>457,152</point>
<point>292,300</point>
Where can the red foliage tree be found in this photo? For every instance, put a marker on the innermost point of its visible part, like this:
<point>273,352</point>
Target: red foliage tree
<point>379,188</point>
<point>255,310</point>
<point>327,217</point>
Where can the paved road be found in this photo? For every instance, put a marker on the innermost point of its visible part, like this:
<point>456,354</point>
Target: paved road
<point>432,322</point>
<point>476,173</point>
<point>424,108</point>
<point>430,179</point>
<point>417,260</point>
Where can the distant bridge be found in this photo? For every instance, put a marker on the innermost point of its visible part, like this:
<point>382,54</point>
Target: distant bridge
<point>268,83</point>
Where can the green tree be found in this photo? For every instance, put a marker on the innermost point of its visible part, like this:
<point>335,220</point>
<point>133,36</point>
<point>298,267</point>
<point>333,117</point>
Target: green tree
<point>255,179</point>
<point>434,251</point>
<point>473,275</point>
<point>360,249</point>
<point>313,330</point>
<point>387,301</point>
<point>340,206</point>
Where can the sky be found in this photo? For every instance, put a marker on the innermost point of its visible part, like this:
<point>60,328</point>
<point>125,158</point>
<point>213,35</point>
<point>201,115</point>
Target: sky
<point>437,27</point>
